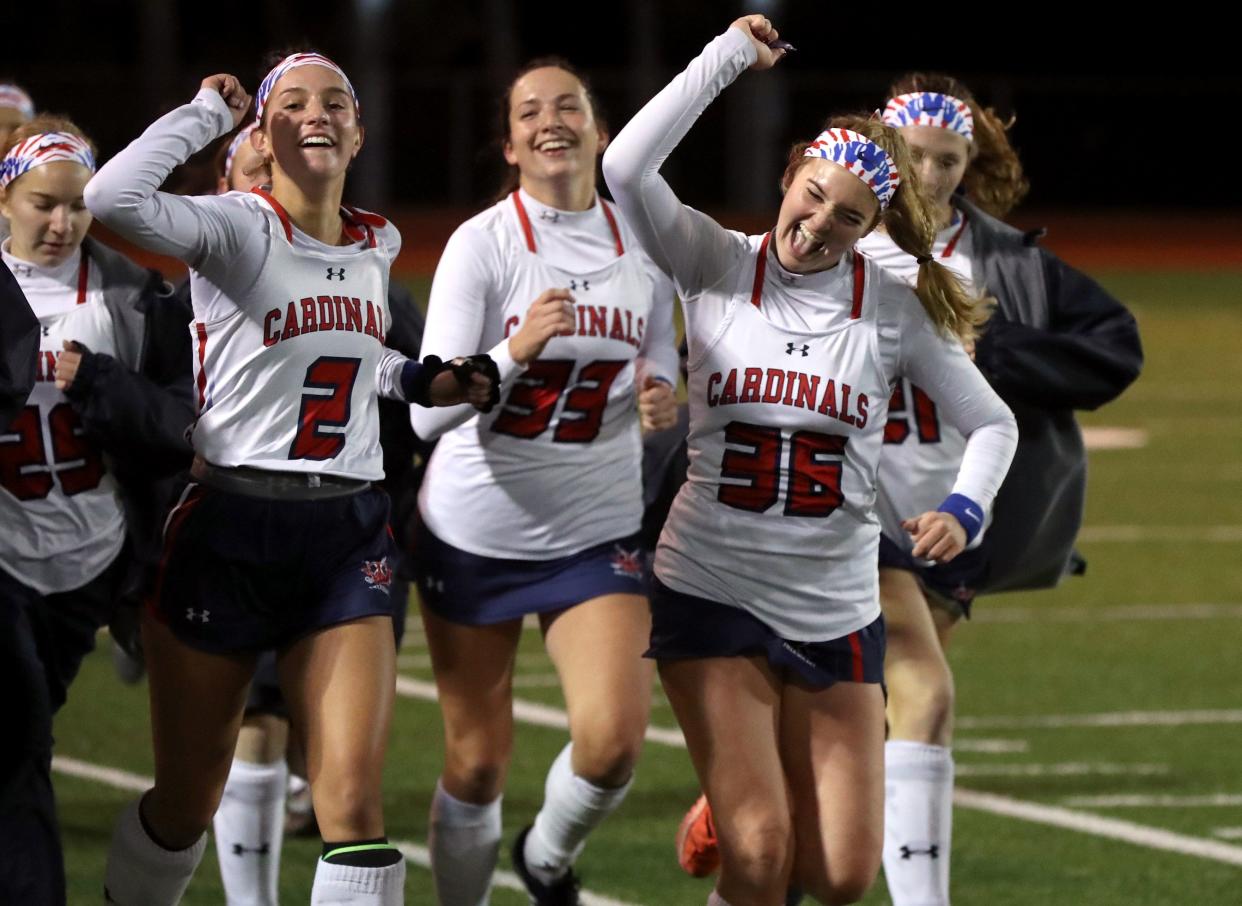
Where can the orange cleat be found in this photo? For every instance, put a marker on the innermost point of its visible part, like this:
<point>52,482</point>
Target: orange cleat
<point>697,850</point>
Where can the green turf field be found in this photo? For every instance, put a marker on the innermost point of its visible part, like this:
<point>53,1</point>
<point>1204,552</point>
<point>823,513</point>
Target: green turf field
<point>1124,683</point>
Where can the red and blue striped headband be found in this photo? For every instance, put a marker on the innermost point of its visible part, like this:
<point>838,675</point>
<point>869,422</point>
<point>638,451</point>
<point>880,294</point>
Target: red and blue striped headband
<point>930,108</point>
<point>44,148</point>
<point>13,98</point>
<point>862,157</point>
<point>293,61</point>
<point>234,145</point>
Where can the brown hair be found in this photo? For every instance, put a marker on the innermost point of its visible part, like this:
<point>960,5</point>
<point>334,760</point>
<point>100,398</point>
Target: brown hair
<point>994,179</point>
<point>46,122</point>
<point>911,223</point>
<point>512,176</point>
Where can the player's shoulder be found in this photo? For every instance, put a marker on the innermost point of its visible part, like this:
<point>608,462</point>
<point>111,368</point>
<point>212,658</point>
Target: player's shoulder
<point>491,234</point>
<point>387,236</point>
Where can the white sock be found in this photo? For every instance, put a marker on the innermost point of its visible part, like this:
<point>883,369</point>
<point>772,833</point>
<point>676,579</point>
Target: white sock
<point>353,885</point>
<point>464,841</point>
<point>249,827</point>
<point>572,808</point>
<point>715,899</point>
<point>918,822</point>
<point>140,872</point>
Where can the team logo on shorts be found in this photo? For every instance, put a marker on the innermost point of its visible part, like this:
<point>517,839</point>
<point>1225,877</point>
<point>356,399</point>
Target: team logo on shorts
<point>627,563</point>
<point>377,574</point>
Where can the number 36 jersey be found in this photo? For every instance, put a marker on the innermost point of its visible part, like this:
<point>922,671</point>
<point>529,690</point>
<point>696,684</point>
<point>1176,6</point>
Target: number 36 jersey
<point>776,516</point>
<point>286,370</point>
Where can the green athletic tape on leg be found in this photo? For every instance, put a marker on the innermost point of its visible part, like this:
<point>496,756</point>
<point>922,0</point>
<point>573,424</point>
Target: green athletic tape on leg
<point>342,850</point>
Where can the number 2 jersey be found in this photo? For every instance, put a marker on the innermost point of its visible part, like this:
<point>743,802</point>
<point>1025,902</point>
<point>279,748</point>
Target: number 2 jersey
<point>288,331</point>
<point>556,467</point>
<point>59,504</point>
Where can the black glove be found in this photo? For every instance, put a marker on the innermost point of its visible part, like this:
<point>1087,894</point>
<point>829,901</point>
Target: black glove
<point>467,366</point>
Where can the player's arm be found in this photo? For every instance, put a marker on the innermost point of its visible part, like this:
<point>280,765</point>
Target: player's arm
<point>1089,353</point>
<point>940,366</point>
<point>657,365</point>
<point>690,246</point>
<point>124,193</point>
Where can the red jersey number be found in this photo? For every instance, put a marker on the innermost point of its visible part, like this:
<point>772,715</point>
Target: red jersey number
<point>814,484</point>
<point>531,403</point>
<point>25,470</point>
<point>322,411</point>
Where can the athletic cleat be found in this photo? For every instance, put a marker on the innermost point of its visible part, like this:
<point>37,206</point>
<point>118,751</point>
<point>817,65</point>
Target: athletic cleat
<point>564,892</point>
<point>698,853</point>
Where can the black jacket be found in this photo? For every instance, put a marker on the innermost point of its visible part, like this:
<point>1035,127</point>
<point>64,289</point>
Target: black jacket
<point>19,347</point>
<point>1056,342</point>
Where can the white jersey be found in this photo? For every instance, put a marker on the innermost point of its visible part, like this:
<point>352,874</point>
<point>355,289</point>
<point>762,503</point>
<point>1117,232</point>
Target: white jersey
<point>556,467</point>
<point>60,507</point>
<point>776,517</point>
<point>922,453</point>
<point>288,331</point>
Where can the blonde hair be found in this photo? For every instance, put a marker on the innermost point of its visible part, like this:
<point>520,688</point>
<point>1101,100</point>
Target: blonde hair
<point>994,179</point>
<point>911,223</point>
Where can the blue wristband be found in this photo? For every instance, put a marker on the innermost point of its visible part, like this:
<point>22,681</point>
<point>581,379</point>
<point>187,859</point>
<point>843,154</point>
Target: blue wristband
<point>416,380</point>
<point>966,511</point>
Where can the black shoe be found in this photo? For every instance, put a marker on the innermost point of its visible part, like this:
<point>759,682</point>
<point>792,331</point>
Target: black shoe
<point>564,892</point>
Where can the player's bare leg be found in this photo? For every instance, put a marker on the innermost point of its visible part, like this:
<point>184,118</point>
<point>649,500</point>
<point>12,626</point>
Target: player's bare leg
<point>474,675</point>
<point>832,745</point>
<point>920,684</point>
<point>196,709</point>
<point>719,702</point>
<point>597,649</point>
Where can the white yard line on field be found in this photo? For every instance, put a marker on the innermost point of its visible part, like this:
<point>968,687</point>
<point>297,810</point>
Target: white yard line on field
<point>1107,438</point>
<point>1106,719</point>
<point>1099,826</point>
<point>991,746</point>
<point>1228,833</point>
<point>1061,769</point>
<point>1223,534</point>
<point>1125,613</point>
<point>419,855</point>
<point>1126,800</point>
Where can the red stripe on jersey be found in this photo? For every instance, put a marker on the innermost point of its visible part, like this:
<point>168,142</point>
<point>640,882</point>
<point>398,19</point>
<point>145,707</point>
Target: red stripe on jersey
<point>761,266</point>
<point>278,208</point>
<point>948,249</point>
<point>856,662</point>
<point>176,519</point>
<point>860,279</point>
<point>612,224</point>
<point>521,212</point>
<point>201,330</point>
<point>84,270</point>
<point>357,225</point>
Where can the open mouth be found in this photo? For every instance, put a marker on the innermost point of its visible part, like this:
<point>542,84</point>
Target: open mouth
<point>804,242</point>
<point>554,146</point>
<point>317,141</point>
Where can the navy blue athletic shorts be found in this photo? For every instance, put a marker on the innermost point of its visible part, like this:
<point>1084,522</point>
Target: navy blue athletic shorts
<point>244,574</point>
<point>466,588</point>
<point>684,626</point>
<point>949,586</point>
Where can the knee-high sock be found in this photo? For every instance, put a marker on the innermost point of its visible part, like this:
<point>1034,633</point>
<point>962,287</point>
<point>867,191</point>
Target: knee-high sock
<point>572,808</point>
<point>249,827</point>
<point>918,822</point>
<point>464,843</point>
<point>355,885</point>
<point>715,899</point>
<point>140,872</point>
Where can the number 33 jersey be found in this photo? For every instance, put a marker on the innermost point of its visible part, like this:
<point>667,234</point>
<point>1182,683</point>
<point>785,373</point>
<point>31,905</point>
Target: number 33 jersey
<point>287,369</point>
<point>556,467</point>
<point>776,516</point>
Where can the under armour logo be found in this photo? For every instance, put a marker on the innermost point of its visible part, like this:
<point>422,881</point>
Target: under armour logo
<point>434,584</point>
<point>239,850</point>
<point>933,851</point>
<point>203,616</point>
<point>23,270</point>
<point>586,285</point>
<point>47,330</point>
<point>552,216</point>
<point>336,273</point>
<point>804,349</point>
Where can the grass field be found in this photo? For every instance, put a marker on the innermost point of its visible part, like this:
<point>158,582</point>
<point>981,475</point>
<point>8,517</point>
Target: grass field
<point>1100,723</point>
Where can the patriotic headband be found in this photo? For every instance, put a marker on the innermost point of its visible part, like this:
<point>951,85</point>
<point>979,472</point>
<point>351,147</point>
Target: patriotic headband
<point>234,145</point>
<point>862,157</point>
<point>293,61</point>
<point>14,98</point>
<point>44,148</point>
<point>930,108</point>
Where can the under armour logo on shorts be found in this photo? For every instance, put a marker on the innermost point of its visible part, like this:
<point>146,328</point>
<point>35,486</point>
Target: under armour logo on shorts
<point>336,273</point>
<point>203,616</point>
<point>804,349</point>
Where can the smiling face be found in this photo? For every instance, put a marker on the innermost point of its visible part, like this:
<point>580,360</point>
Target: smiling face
<point>941,157</point>
<point>310,125</point>
<point>825,211</point>
<point>553,134</point>
<point>46,212</point>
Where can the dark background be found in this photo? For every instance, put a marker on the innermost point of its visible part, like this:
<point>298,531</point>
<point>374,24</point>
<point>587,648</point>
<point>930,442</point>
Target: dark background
<point>1113,112</point>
